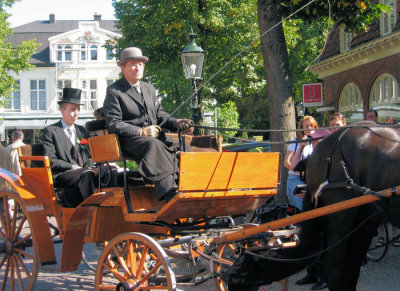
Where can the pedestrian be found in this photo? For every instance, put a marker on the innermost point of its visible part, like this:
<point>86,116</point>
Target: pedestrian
<point>372,115</point>
<point>303,150</point>
<point>336,119</point>
<point>17,141</point>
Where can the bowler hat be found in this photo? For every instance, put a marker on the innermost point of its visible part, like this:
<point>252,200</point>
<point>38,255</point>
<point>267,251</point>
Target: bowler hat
<point>71,95</point>
<point>131,53</point>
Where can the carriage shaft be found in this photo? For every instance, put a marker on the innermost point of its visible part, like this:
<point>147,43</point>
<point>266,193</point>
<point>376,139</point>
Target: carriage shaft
<point>307,215</point>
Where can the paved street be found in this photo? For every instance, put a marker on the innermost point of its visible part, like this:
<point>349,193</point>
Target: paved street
<point>384,275</point>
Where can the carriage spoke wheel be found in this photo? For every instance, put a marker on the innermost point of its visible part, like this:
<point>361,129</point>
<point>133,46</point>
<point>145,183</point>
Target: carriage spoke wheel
<point>227,254</point>
<point>134,261</point>
<point>19,263</point>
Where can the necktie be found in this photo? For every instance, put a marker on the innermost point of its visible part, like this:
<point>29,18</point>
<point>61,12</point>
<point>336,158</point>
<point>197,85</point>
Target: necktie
<point>137,87</point>
<point>71,135</point>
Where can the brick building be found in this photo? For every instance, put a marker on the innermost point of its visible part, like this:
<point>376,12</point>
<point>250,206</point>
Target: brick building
<point>362,71</point>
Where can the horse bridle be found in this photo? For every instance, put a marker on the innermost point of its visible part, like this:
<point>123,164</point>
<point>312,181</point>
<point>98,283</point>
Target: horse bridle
<point>348,183</point>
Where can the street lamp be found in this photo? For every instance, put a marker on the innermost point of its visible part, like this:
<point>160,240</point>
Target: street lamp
<point>300,109</point>
<point>193,59</point>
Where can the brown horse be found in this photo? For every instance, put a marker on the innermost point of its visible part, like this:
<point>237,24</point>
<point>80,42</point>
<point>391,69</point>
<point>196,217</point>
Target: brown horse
<point>366,155</point>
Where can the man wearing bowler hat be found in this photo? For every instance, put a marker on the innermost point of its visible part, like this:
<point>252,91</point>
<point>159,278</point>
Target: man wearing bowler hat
<point>135,114</point>
<point>64,144</point>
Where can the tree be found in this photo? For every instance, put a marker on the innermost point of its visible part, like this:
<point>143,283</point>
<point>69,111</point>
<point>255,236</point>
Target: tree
<point>354,14</point>
<point>11,59</point>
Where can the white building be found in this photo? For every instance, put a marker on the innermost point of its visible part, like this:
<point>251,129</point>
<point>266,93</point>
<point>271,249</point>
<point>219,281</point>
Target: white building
<point>71,54</point>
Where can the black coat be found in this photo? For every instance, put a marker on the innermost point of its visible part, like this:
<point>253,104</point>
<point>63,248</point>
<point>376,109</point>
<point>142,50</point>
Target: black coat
<point>125,110</point>
<point>57,147</point>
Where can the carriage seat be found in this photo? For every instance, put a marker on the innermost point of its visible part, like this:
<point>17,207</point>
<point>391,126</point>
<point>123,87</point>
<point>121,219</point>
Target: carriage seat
<point>36,167</point>
<point>201,143</point>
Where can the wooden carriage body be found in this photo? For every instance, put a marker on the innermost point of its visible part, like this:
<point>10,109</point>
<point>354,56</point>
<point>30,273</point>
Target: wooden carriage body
<point>211,183</point>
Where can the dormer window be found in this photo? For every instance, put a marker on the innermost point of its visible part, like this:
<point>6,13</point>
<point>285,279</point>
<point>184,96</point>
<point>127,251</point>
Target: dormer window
<point>93,52</point>
<point>345,40</point>
<point>64,53</point>
<point>83,52</point>
<point>388,20</point>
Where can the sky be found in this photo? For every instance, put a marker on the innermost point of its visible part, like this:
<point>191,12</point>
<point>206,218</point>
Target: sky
<point>25,11</point>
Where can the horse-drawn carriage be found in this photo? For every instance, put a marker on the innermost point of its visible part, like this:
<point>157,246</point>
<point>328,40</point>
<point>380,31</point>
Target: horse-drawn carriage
<point>147,244</point>
<point>145,241</point>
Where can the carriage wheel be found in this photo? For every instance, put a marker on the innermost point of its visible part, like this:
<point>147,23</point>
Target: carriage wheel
<point>19,264</point>
<point>134,261</point>
<point>227,254</point>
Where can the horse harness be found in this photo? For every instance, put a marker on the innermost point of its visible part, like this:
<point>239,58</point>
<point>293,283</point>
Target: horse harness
<point>348,183</point>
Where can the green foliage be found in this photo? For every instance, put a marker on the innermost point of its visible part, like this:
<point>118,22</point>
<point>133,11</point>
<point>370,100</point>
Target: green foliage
<point>130,165</point>
<point>227,29</point>
<point>223,29</point>
<point>356,15</point>
<point>228,117</point>
<point>11,59</point>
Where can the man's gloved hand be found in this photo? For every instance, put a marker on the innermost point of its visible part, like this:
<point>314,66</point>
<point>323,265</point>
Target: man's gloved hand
<point>186,125</point>
<point>152,130</point>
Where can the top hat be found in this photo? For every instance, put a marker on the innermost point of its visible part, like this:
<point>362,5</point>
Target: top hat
<point>131,53</point>
<point>71,95</point>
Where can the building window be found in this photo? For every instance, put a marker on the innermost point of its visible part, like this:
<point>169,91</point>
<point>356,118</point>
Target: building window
<point>64,53</point>
<point>384,97</point>
<point>93,52</point>
<point>62,84</point>
<point>83,52</point>
<point>110,81</point>
<point>350,103</point>
<point>388,20</point>
<point>110,55</point>
<point>89,95</point>
<point>345,40</point>
<point>38,95</point>
<point>15,99</point>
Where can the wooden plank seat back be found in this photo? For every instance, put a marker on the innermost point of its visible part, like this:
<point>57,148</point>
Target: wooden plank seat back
<point>201,143</point>
<point>105,148</point>
<point>36,174</point>
<point>217,184</point>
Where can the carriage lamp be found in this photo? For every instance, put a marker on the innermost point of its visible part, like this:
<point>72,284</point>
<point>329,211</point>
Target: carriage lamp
<point>193,60</point>
<point>300,109</point>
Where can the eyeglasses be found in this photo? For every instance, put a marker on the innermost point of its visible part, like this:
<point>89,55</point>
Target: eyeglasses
<point>336,115</point>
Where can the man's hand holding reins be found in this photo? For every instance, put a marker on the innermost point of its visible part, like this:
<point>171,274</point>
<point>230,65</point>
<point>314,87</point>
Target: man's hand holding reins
<point>185,125</point>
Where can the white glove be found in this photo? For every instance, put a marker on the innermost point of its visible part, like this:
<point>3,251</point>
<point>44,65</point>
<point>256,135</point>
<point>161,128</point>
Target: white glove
<point>152,130</point>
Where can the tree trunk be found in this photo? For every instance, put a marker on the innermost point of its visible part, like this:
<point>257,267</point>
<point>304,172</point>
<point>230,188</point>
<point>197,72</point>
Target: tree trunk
<point>278,78</point>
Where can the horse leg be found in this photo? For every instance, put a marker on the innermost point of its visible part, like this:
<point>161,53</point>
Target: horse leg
<point>358,247</point>
<point>335,227</point>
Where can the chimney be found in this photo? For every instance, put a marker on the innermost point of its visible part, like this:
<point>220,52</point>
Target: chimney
<point>52,18</point>
<point>97,17</point>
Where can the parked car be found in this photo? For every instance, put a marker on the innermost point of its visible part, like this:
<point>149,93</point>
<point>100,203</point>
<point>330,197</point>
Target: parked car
<point>247,147</point>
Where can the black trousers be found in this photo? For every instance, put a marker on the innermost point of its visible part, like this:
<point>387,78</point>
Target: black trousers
<point>83,179</point>
<point>155,157</point>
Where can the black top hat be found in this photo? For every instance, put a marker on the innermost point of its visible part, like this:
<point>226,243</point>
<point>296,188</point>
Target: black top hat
<point>71,95</point>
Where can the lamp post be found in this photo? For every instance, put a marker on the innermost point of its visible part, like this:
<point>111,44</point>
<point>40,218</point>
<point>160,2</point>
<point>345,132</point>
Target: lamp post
<point>193,60</point>
<point>300,110</point>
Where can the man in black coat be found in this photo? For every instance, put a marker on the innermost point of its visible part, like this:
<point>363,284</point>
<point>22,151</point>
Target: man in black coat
<point>64,143</point>
<point>135,114</point>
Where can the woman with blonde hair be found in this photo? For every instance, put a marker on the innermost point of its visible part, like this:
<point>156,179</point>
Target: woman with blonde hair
<point>295,153</point>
